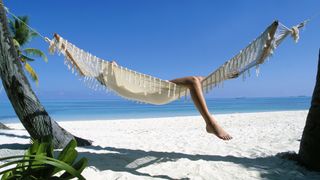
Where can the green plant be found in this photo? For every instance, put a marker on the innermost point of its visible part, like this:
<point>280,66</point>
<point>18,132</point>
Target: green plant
<point>22,35</point>
<point>39,163</point>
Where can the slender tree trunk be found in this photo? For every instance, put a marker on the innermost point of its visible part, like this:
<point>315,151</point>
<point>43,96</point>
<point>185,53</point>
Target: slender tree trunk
<point>309,153</point>
<point>2,126</point>
<point>24,101</point>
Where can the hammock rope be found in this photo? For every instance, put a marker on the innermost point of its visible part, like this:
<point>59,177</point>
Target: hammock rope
<point>31,28</point>
<point>144,88</point>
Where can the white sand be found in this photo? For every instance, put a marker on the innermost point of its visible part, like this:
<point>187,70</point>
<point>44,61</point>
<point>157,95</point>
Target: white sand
<point>179,147</point>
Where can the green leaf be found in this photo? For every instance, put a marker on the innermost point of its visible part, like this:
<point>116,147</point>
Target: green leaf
<point>21,31</point>
<point>50,149</point>
<point>8,173</point>
<point>38,162</point>
<point>16,43</point>
<point>64,153</point>
<point>79,166</point>
<point>13,162</point>
<point>25,58</point>
<point>68,154</point>
<point>31,72</point>
<point>41,153</point>
<point>33,148</point>
<point>69,159</point>
<point>35,52</point>
<point>34,34</point>
<point>49,161</point>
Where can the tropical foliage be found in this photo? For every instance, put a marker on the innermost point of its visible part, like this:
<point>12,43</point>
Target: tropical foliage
<point>22,35</point>
<point>39,163</point>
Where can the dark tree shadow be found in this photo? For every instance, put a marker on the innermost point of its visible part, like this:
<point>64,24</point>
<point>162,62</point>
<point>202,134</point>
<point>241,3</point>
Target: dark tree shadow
<point>128,160</point>
<point>15,146</point>
<point>14,135</point>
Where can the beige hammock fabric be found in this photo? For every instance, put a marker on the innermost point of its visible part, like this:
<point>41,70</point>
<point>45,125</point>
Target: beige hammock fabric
<point>148,89</point>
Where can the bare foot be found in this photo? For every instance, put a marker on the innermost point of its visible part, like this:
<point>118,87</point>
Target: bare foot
<point>218,131</point>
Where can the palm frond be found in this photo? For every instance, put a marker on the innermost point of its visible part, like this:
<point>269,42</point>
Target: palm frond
<point>33,34</point>
<point>22,32</point>
<point>16,44</point>
<point>31,72</point>
<point>35,52</point>
<point>25,58</point>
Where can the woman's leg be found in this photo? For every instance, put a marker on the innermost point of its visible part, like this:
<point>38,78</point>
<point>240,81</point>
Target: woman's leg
<point>194,85</point>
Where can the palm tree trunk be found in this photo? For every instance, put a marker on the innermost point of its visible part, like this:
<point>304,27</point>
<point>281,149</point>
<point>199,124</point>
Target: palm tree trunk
<point>309,153</point>
<point>24,101</point>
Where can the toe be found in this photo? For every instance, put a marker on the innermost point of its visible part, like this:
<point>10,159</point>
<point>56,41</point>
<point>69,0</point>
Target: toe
<point>227,137</point>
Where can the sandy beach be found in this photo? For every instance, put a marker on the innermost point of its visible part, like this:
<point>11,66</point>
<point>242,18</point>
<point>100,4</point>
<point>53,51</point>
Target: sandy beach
<point>180,148</point>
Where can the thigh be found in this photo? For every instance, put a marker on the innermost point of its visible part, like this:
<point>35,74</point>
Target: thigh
<point>183,80</point>
<point>187,81</point>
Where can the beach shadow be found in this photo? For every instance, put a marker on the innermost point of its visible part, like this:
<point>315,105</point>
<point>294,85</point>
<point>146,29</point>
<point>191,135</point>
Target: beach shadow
<point>14,135</point>
<point>128,160</point>
<point>14,146</point>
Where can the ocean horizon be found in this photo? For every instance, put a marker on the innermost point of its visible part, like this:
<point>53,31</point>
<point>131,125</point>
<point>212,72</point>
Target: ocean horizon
<point>68,110</point>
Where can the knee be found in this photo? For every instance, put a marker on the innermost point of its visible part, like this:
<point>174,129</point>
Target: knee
<point>195,80</point>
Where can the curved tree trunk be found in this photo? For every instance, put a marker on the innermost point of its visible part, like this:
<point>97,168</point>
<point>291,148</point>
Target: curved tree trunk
<point>24,101</point>
<point>309,153</point>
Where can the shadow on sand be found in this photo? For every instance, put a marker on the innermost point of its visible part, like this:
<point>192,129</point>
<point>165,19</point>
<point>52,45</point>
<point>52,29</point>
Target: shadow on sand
<point>14,135</point>
<point>15,146</point>
<point>128,160</point>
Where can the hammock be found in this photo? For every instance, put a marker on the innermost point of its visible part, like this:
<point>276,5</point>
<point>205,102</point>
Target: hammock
<point>144,88</point>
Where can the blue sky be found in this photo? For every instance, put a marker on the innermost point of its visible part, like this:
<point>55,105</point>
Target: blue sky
<point>175,38</point>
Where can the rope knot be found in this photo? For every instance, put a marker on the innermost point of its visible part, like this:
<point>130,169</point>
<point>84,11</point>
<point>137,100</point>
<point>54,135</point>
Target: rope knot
<point>295,33</point>
<point>52,45</point>
<point>295,30</point>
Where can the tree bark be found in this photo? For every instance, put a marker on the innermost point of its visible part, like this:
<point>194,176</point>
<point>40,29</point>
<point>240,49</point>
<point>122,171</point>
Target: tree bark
<point>309,153</point>
<point>2,126</point>
<point>27,106</point>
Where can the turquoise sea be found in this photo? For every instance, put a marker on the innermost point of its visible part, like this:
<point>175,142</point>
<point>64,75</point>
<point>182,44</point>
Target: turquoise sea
<point>62,110</point>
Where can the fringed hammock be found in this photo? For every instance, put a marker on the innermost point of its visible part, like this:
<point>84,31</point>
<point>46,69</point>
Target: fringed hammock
<point>144,88</point>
